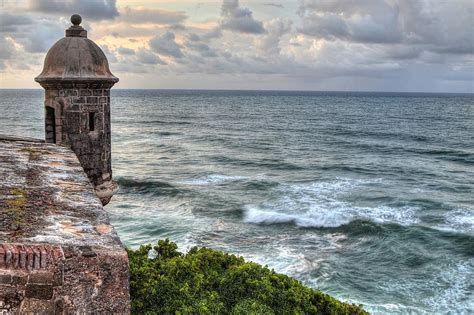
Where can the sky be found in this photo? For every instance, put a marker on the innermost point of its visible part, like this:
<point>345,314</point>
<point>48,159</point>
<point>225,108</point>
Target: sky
<point>325,45</point>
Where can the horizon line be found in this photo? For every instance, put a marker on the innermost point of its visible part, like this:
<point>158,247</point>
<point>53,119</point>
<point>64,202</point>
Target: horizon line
<point>266,90</point>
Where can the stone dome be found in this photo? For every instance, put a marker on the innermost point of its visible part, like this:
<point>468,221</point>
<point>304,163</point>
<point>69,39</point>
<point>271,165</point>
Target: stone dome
<point>75,58</point>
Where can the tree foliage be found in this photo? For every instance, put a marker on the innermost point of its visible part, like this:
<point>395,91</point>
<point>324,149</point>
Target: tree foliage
<point>206,281</point>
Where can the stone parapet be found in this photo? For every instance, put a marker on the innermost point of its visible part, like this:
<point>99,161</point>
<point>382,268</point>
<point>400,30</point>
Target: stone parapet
<point>58,252</point>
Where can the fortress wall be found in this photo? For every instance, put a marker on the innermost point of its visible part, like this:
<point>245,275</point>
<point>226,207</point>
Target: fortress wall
<point>58,252</point>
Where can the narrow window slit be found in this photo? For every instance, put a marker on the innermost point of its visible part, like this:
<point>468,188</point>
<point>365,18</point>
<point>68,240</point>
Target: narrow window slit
<point>91,121</point>
<point>50,125</point>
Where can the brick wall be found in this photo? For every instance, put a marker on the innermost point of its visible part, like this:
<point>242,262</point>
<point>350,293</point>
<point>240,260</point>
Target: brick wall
<point>45,279</point>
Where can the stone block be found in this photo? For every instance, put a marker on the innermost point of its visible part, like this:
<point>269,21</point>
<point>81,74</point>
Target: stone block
<point>79,99</point>
<point>86,251</point>
<point>31,306</point>
<point>85,92</point>
<point>46,277</point>
<point>58,306</point>
<point>5,279</point>
<point>58,276</point>
<point>8,257</point>
<point>71,92</point>
<point>52,93</point>
<point>23,257</point>
<point>2,257</point>
<point>92,100</point>
<point>19,279</point>
<point>39,291</point>
<point>97,92</point>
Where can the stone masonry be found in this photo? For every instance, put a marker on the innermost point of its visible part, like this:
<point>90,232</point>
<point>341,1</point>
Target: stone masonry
<point>77,82</point>
<point>58,252</point>
<point>82,121</point>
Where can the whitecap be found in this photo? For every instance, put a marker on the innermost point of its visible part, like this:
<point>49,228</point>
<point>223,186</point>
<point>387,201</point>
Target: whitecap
<point>317,205</point>
<point>213,179</point>
<point>460,219</point>
<point>458,290</point>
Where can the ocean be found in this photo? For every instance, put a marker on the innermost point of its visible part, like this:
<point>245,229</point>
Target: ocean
<point>366,196</point>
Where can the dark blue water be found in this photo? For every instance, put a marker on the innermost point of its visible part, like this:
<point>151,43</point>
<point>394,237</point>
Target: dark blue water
<point>369,197</point>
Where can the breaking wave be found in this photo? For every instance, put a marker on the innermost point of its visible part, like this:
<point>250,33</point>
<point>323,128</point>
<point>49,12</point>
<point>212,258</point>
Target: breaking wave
<point>213,179</point>
<point>317,205</point>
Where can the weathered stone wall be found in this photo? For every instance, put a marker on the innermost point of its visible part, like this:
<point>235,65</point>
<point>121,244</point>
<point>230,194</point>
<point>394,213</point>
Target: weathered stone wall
<point>58,252</point>
<point>49,279</point>
<point>82,121</point>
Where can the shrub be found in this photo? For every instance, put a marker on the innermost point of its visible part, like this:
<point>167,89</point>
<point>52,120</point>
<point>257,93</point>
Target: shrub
<point>206,281</point>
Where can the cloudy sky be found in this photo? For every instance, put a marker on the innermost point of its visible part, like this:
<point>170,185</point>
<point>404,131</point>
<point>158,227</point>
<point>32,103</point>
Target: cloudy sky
<point>361,45</point>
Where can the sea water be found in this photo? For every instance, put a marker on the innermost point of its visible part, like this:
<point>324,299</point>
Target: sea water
<point>368,197</point>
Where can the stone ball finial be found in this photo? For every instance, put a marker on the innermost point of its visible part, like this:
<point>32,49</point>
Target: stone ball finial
<point>76,19</point>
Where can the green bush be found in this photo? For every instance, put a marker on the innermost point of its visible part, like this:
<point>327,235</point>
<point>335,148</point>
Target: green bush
<point>206,281</point>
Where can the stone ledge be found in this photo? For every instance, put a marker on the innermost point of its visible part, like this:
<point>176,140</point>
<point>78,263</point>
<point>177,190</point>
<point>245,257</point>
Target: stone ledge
<point>58,252</point>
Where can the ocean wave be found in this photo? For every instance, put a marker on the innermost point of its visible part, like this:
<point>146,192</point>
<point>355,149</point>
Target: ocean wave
<point>331,218</point>
<point>460,219</point>
<point>213,179</point>
<point>453,286</point>
<point>317,205</point>
<point>129,185</point>
<point>259,216</point>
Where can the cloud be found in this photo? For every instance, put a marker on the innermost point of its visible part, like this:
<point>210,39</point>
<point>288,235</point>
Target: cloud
<point>365,21</point>
<point>276,28</point>
<point>40,39</point>
<point>7,50</point>
<point>166,45</point>
<point>10,23</point>
<point>89,9</point>
<point>239,19</point>
<point>433,25</point>
<point>149,58</point>
<point>271,4</point>
<point>35,39</point>
<point>204,50</point>
<point>329,44</point>
<point>125,51</point>
<point>142,15</point>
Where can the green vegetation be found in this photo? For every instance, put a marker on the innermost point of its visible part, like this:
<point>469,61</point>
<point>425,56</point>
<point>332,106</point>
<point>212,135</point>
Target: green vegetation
<point>206,281</point>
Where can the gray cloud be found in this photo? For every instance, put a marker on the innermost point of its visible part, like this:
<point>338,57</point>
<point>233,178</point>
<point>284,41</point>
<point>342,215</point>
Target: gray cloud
<point>204,50</point>
<point>149,58</point>
<point>35,34</point>
<point>42,38</point>
<point>166,45</point>
<point>271,4</point>
<point>125,51</point>
<point>10,23</point>
<point>276,28</point>
<point>331,44</point>
<point>239,19</point>
<point>152,16</point>
<point>365,21</point>
<point>430,25</point>
<point>6,51</point>
<point>89,9</point>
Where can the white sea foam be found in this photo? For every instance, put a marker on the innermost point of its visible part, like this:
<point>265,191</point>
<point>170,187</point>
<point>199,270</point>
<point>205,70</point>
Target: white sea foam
<point>213,179</point>
<point>318,205</point>
<point>461,219</point>
<point>457,289</point>
<point>259,216</point>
